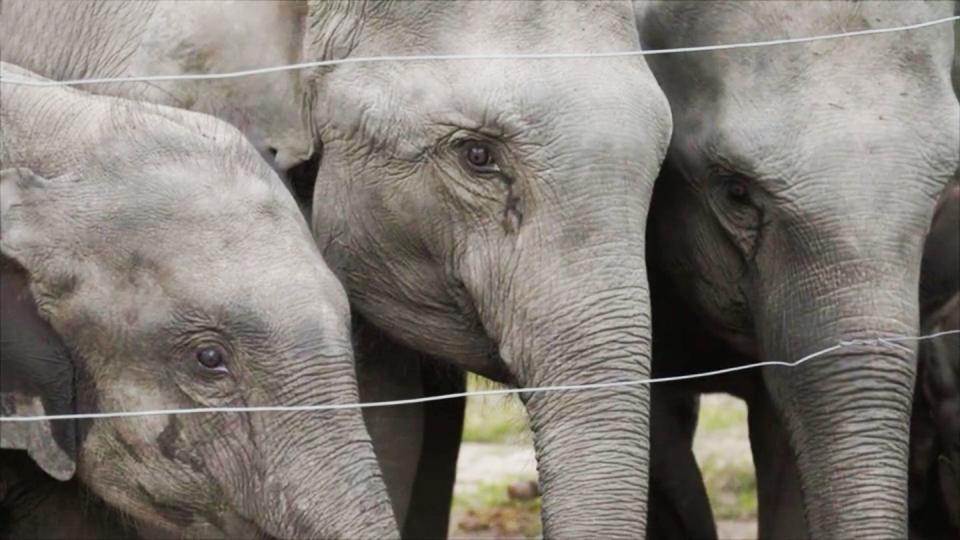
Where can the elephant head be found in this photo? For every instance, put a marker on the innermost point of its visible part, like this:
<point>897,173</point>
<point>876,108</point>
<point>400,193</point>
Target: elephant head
<point>74,40</point>
<point>797,191</point>
<point>153,261</point>
<point>492,213</point>
<point>213,37</point>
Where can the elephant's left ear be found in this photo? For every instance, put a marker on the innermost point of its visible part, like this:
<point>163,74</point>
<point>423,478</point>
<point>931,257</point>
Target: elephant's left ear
<point>36,371</point>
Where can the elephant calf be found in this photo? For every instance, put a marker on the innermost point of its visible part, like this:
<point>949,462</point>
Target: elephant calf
<point>152,260</point>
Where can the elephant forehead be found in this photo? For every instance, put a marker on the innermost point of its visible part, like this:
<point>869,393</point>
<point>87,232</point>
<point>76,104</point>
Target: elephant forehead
<point>837,109</point>
<point>467,26</point>
<point>409,107</point>
<point>914,59</point>
<point>404,93</point>
<point>729,21</point>
<point>784,131</point>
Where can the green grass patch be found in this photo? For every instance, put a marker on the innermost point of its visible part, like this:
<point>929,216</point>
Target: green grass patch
<point>732,488</point>
<point>489,508</point>
<point>494,419</point>
<point>724,457</point>
<point>721,412</point>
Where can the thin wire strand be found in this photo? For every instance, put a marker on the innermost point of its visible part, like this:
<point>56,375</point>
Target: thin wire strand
<point>503,56</point>
<point>890,341</point>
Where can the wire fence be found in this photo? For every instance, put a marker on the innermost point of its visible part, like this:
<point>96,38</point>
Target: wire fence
<point>504,56</point>
<point>887,341</point>
<point>893,341</point>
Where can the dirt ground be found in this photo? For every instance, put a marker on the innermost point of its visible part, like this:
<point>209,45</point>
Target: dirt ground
<point>497,458</point>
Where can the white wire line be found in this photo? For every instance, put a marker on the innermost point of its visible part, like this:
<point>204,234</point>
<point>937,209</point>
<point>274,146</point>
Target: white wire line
<point>890,341</point>
<point>492,56</point>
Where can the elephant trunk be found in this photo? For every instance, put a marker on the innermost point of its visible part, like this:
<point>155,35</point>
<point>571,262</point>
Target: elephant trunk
<point>297,502</point>
<point>592,445</point>
<point>592,453</point>
<point>847,412</point>
<point>311,462</point>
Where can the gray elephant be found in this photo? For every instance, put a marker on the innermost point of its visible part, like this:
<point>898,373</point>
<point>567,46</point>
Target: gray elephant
<point>72,40</point>
<point>488,213</point>
<point>790,216</point>
<point>935,426</point>
<point>935,433</point>
<point>153,261</point>
<point>679,506</point>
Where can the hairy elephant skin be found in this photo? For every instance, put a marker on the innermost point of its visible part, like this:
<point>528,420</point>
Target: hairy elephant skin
<point>153,261</point>
<point>790,216</point>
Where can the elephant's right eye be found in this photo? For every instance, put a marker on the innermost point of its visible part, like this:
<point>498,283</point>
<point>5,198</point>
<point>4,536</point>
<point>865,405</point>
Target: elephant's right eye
<point>737,190</point>
<point>479,157</point>
<point>212,357</point>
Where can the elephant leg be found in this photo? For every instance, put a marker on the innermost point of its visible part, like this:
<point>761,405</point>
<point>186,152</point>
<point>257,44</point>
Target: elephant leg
<point>678,505</point>
<point>779,500</point>
<point>388,371</point>
<point>432,498</point>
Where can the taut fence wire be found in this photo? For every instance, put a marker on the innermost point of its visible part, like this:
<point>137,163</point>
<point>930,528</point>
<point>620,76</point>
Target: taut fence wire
<point>497,56</point>
<point>887,341</point>
<point>893,341</point>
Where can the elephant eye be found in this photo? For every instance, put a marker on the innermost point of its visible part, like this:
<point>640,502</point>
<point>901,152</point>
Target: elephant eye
<point>212,357</point>
<point>736,190</point>
<point>478,157</point>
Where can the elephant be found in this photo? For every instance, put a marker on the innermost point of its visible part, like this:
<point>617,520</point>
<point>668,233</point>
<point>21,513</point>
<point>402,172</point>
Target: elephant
<point>788,218</point>
<point>491,213</point>
<point>153,261</point>
<point>483,215</point>
<point>679,505</point>
<point>72,40</point>
<point>935,502</point>
<point>935,426</point>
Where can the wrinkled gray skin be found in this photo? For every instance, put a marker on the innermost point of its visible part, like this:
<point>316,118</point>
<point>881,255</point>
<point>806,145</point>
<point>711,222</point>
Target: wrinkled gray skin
<point>935,427</point>
<point>531,273</point>
<point>679,506</point>
<point>935,432</point>
<point>73,40</point>
<point>146,234</point>
<point>799,185</point>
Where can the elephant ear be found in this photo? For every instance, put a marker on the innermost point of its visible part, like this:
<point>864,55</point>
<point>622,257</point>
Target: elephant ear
<point>36,371</point>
